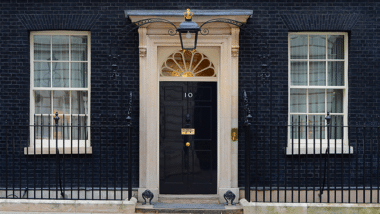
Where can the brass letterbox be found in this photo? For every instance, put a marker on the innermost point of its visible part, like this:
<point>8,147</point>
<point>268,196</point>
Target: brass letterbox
<point>187,131</point>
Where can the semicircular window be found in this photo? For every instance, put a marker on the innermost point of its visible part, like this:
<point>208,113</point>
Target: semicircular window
<point>188,64</point>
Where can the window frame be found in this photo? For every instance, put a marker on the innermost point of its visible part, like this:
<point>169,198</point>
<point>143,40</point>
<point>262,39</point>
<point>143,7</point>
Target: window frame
<point>307,145</point>
<point>48,146</point>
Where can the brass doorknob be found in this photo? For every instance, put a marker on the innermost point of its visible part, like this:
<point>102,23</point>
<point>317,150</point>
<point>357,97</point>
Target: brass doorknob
<point>188,144</point>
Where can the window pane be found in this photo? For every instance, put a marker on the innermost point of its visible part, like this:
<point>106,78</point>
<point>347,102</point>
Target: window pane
<point>60,74</point>
<point>298,127</point>
<point>317,73</point>
<point>316,129</point>
<point>298,100</point>
<point>336,73</point>
<point>335,47</point>
<point>42,100</point>
<point>317,47</point>
<point>79,75</point>
<point>299,73</point>
<point>41,47</point>
<point>335,100</point>
<point>298,47</point>
<point>42,74</point>
<point>336,128</point>
<point>79,102</point>
<point>188,40</point>
<point>316,100</point>
<point>79,48</point>
<point>60,47</point>
<point>42,127</point>
<point>79,128</point>
<point>61,100</point>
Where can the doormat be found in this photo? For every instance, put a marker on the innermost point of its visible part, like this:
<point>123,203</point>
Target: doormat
<point>188,206</point>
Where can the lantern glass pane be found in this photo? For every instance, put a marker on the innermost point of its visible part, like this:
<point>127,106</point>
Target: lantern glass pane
<point>188,40</point>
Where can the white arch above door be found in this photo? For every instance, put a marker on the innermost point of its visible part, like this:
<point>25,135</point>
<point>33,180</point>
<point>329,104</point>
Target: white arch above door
<point>212,53</point>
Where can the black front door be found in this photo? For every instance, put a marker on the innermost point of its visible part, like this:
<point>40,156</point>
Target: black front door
<point>188,162</point>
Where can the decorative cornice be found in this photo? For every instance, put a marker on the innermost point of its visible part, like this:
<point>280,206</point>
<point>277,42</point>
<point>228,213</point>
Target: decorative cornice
<point>311,22</point>
<point>305,22</point>
<point>58,22</point>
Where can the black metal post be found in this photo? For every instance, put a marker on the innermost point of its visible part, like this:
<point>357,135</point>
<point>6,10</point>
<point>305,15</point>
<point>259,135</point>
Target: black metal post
<point>62,183</point>
<point>349,167</point>
<point>357,165</point>
<point>42,127</point>
<point>78,159</point>
<point>6,157</point>
<point>371,151</point>
<point>85,155</point>
<point>56,118</point>
<point>13,157</point>
<point>34,157</point>
<point>49,135</point>
<point>92,136</point>
<point>378,167</point>
<point>247,126</point>
<point>71,158</point>
<point>114,155</point>
<point>328,119</point>
<point>364,160</point>
<point>20,152</point>
<point>314,158</point>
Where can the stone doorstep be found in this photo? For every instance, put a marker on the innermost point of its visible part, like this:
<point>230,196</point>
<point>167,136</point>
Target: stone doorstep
<point>304,208</point>
<point>227,210</point>
<point>70,206</point>
<point>188,199</point>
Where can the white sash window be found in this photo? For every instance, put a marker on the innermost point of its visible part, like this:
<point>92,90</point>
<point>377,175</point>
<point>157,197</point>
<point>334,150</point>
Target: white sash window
<point>317,86</point>
<point>60,83</point>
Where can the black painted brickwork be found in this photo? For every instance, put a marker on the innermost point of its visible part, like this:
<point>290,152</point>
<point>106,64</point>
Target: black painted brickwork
<point>274,19</point>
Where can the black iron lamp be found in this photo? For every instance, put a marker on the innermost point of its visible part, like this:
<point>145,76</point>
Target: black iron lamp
<point>188,32</point>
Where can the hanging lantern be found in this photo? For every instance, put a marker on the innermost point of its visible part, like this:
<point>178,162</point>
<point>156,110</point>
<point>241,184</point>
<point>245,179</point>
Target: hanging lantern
<point>188,32</point>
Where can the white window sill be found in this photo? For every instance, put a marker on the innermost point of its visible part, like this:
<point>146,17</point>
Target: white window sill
<point>295,150</point>
<point>67,150</point>
<point>64,147</point>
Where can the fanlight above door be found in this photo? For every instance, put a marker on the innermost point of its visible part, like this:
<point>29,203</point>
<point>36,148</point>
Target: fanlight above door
<point>185,63</point>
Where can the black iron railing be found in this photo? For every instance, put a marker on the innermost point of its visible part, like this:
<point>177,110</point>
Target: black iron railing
<point>313,159</point>
<point>66,158</point>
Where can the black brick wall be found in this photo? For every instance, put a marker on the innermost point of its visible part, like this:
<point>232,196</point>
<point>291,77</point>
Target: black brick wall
<point>274,19</point>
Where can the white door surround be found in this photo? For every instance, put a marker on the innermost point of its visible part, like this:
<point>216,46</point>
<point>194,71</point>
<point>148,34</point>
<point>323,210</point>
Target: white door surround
<point>223,40</point>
